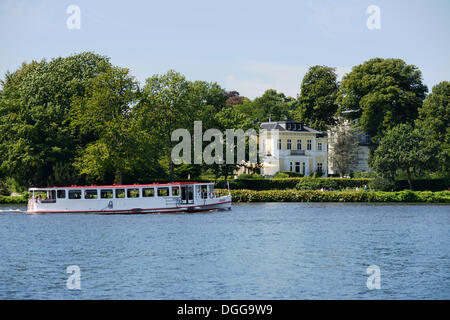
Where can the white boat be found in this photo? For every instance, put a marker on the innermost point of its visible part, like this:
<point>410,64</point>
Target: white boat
<point>126,199</point>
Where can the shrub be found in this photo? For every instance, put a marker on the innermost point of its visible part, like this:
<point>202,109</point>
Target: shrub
<point>382,184</point>
<point>291,183</point>
<point>369,174</point>
<point>246,176</point>
<point>281,175</point>
<point>338,196</point>
<point>288,174</point>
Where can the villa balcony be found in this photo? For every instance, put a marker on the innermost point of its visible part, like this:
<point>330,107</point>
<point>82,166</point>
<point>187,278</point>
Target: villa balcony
<point>297,152</point>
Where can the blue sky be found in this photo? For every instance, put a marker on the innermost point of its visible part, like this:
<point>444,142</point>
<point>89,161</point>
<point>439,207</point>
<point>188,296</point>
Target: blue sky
<point>248,46</point>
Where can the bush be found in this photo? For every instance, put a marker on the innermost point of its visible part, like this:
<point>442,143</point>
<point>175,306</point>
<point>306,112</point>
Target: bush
<point>246,176</point>
<point>316,184</point>
<point>424,184</point>
<point>291,183</point>
<point>382,184</point>
<point>288,174</point>
<point>369,174</point>
<point>281,175</point>
<point>14,200</point>
<point>339,196</point>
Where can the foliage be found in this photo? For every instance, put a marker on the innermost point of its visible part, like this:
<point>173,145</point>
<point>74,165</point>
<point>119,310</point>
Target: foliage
<point>288,174</point>
<point>339,196</point>
<point>384,92</point>
<point>246,176</point>
<point>405,148</point>
<point>291,183</point>
<point>317,100</point>
<point>270,104</point>
<point>35,102</point>
<point>382,184</point>
<point>434,116</point>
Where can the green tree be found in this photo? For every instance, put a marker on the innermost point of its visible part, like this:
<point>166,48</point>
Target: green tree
<point>34,107</point>
<point>434,114</point>
<point>270,104</point>
<point>384,92</point>
<point>405,148</point>
<point>317,100</point>
<point>106,113</point>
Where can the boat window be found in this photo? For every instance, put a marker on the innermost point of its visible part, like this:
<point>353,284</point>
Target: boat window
<point>91,194</point>
<point>106,193</point>
<point>61,194</point>
<point>163,192</point>
<point>175,191</point>
<point>148,192</point>
<point>41,194</point>
<point>204,191</point>
<point>120,193</point>
<point>74,194</point>
<point>133,193</point>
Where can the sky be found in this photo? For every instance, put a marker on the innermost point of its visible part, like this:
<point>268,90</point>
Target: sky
<point>243,45</point>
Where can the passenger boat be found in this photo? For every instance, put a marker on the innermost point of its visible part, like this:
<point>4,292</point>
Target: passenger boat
<point>128,199</point>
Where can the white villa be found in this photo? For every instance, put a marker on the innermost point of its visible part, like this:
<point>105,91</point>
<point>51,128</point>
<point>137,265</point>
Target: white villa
<point>291,146</point>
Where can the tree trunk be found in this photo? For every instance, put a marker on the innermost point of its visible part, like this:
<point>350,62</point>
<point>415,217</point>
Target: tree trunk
<point>171,169</point>
<point>408,172</point>
<point>118,176</point>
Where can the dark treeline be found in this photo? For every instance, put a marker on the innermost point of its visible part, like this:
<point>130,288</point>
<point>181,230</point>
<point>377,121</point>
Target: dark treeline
<point>82,120</point>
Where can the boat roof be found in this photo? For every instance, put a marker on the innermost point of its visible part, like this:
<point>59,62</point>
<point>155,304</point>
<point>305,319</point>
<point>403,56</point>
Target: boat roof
<point>123,185</point>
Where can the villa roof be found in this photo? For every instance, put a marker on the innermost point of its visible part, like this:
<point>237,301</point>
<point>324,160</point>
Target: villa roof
<point>276,125</point>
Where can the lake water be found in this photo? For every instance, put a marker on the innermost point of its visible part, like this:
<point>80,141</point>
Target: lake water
<point>255,251</point>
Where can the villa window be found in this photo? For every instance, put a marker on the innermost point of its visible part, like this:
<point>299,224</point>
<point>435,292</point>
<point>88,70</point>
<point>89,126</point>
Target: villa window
<point>308,145</point>
<point>297,167</point>
<point>319,146</point>
<point>299,144</point>
<point>279,144</point>
<point>303,167</point>
<point>319,167</point>
<point>290,166</point>
<point>289,144</point>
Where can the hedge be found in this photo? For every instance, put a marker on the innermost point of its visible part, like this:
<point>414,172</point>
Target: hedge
<point>14,200</point>
<point>291,183</point>
<point>338,196</point>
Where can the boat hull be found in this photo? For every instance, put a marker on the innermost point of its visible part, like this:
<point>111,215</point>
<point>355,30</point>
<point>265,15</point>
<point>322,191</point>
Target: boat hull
<point>221,204</point>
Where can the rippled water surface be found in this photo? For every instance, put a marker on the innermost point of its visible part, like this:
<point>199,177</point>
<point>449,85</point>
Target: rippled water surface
<point>255,251</point>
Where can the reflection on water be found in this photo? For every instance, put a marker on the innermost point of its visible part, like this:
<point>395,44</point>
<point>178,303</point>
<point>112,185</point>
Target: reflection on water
<point>256,251</point>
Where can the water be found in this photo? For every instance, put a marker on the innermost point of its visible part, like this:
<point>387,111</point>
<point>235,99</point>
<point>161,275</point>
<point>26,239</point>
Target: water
<point>256,251</point>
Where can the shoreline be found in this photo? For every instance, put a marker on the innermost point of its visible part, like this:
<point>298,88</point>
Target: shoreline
<point>292,195</point>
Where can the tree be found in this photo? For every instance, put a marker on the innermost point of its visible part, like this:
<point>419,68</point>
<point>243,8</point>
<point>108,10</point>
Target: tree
<point>35,103</point>
<point>434,114</point>
<point>271,103</point>
<point>317,100</point>
<point>405,148</point>
<point>384,92</point>
<point>343,147</point>
<point>106,113</point>
<point>171,102</point>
